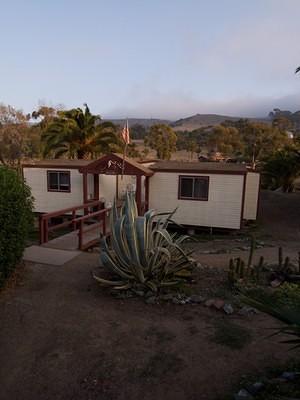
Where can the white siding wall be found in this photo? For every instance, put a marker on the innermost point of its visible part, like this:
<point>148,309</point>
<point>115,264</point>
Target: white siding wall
<point>45,201</point>
<point>251,196</point>
<point>107,188</point>
<point>223,208</point>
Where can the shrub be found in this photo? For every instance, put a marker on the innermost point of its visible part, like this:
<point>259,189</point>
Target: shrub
<point>16,220</point>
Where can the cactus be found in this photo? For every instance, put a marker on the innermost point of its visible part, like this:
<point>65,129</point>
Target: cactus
<point>280,258</point>
<point>240,271</point>
<point>252,248</point>
<point>286,263</point>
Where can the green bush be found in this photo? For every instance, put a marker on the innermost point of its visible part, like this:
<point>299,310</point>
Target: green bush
<point>16,219</point>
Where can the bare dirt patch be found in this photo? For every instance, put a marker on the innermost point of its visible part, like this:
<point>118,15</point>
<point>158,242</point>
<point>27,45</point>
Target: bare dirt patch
<point>62,337</point>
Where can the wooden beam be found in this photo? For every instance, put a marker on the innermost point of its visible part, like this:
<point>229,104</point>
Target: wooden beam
<point>117,187</point>
<point>138,193</point>
<point>147,179</point>
<point>96,186</point>
<point>85,190</point>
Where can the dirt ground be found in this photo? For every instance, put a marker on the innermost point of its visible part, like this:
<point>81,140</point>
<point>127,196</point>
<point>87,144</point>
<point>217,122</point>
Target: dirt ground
<point>62,337</point>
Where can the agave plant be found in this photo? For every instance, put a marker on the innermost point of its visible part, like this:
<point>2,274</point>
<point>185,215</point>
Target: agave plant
<point>142,253</point>
<point>287,314</point>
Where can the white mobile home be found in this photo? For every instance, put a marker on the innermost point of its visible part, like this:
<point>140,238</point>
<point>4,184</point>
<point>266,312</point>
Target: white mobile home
<point>207,194</point>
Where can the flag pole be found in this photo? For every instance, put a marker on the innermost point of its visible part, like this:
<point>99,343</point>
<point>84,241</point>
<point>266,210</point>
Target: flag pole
<point>125,148</point>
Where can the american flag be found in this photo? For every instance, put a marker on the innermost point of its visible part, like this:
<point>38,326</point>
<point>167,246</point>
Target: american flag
<point>125,133</point>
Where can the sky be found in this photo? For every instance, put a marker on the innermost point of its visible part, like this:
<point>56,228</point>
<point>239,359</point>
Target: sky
<point>151,59</point>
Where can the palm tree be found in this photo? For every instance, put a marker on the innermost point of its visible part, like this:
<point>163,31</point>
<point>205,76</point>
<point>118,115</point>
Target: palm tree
<point>77,133</point>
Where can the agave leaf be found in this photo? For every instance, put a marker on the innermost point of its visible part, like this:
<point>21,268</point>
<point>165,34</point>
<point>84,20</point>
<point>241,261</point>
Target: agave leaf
<point>119,242</point>
<point>126,286</point>
<point>107,282</point>
<point>170,283</point>
<point>114,212</point>
<point>152,286</point>
<point>109,263</point>
<point>161,257</point>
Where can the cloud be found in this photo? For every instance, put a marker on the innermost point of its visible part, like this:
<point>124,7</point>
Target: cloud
<point>246,69</point>
<point>175,105</point>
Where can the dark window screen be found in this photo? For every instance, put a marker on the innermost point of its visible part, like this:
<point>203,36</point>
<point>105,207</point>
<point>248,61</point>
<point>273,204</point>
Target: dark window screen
<point>193,187</point>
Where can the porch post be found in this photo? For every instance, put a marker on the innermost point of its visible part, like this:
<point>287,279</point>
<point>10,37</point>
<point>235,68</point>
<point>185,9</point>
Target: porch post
<point>138,194</point>
<point>96,186</point>
<point>146,193</point>
<point>85,189</point>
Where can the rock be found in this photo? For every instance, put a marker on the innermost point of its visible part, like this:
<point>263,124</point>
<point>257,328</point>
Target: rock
<point>290,376</point>
<point>149,294</point>
<point>176,300</point>
<point>196,298</point>
<point>228,308</point>
<point>218,304</point>
<point>209,302</point>
<point>243,394</point>
<point>151,300</point>
<point>255,388</point>
<point>167,297</point>
<point>139,293</point>
<point>276,283</point>
<point>246,311</point>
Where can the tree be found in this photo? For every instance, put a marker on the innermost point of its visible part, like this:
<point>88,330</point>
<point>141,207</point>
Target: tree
<point>138,131</point>
<point>282,168</point>
<point>79,134</point>
<point>163,140</point>
<point>132,151</point>
<point>261,141</point>
<point>14,135</point>
<point>225,139</point>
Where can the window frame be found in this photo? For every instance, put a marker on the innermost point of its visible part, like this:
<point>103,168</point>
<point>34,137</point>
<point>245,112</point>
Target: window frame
<point>58,189</point>
<point>206,178</point>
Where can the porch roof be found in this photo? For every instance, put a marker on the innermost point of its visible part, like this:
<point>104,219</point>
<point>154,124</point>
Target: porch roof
<point>112,164</point>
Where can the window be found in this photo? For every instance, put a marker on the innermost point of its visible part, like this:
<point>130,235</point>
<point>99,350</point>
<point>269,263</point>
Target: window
<point>193,187</point>
<point>58,181</point>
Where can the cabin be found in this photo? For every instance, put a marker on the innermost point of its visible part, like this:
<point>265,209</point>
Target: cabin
<point>206,194</point>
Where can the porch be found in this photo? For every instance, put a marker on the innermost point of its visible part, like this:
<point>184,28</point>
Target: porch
<point>88,222</point>
<point>118,174</point>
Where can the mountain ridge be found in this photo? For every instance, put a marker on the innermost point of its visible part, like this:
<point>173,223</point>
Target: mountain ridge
<point>188,123</point>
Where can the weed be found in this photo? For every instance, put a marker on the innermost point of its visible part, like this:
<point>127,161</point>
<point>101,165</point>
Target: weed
<point>230,334</point>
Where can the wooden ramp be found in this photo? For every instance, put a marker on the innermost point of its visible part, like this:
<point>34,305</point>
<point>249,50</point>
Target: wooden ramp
<point>69,241</point>
<point>87,229</point>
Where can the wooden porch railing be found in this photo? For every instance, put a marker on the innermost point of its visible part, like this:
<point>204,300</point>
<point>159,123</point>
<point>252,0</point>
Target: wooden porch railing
<point>93,209</point>
<point>98,215</point>
<point>94,218</point>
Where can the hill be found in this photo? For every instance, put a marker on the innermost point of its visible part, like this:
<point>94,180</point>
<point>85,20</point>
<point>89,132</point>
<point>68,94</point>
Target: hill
<point>145,122</point>
<point>189,123</point>
<point>202,120</point>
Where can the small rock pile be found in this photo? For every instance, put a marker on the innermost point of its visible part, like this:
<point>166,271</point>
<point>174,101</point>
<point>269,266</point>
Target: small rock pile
<point>249,392</point>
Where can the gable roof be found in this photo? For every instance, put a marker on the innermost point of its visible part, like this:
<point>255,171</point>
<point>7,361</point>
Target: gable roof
<point>198,167</point>
<point>113,164</point>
